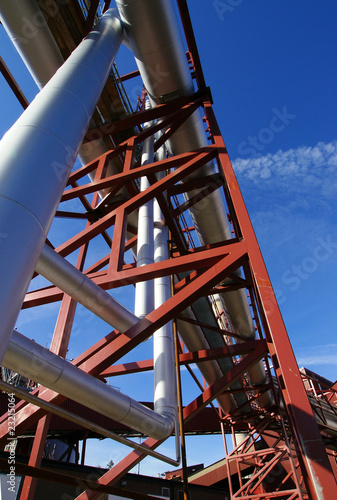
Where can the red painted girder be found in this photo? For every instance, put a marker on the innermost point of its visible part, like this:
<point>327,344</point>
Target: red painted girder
<point>193,260</point>
<point>160,111</point>
<point>35,457</point>
<point>228,378</point>
<point>92,165</point>
<point>108,280</point>
<point>128,174</point>
<point>118,241</point>
<point>184,359</point>
<point>317,472</point>
<point>13,84</point>
<point>191,42</point>
<point>134,203</point>
<point>91,17</point>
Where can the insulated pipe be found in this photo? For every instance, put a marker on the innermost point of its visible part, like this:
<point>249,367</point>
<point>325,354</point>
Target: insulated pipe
<point>28,30</point>
<point>37,155</point>
<point>27,27</point>
<point>43,366</point>
<point>165,383</point>
<point>161,59</point>
<point>144,301</point>
<point>82,289</point>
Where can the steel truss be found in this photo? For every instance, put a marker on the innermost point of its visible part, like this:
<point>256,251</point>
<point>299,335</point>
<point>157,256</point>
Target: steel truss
<point>293,462</point>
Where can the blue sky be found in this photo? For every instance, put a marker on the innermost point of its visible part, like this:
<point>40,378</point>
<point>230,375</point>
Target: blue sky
<point>271,67</point>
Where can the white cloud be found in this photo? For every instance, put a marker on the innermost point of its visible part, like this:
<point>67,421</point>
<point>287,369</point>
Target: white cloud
<point>317,355</point>
<point>298,169</point>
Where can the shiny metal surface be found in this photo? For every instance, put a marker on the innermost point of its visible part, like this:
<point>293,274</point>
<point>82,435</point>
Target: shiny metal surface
<point>49,133</point>
<point>165,383</point>
<point>70,280</point>
<point>144,293</point>
<point>162,62</point>
<point>29,32</point>
<point>43,366</point>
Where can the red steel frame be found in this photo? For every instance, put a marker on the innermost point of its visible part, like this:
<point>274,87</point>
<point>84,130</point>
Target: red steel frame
<point>289,429</point>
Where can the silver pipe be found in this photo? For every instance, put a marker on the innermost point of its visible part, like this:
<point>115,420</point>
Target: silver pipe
<point>83,422</point>
<point>161,60</point>
<point>28,30</point>
<point>144,294</point>
<point>43,366</point>
<point>82,289</point>
<point>49,132</point>
<point>165,382</point>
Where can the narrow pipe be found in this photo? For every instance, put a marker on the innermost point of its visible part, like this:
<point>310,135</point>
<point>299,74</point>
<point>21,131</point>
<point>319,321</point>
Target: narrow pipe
<point>41,365</point>
<point>144,295</point>
<point>49,132</point>
<point>165,383</point>
<point>83,422</point>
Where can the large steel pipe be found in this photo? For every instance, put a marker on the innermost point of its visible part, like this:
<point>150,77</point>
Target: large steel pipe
<point>162,62</point>
<point>39,364</point>
<point>37,155</point>
<point>161,59</point>
<point>31,36</point>
<point>82,289</point>
<point>27,28</point>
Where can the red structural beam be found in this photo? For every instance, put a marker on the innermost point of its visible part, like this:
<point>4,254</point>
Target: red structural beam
<point>13,84</point>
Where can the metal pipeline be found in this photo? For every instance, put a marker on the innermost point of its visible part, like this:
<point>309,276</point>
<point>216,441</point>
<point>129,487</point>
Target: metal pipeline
<point>70,280</point>
<point>161,60</point>
<point>28,30</point>
<point>165,383</point>
<point>49,132</point>
<point>41,365</point>
<point>144,293</point>
<point>82,289</point>
<point>162,87</point>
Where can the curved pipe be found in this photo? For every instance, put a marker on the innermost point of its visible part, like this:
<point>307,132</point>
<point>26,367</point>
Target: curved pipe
<point>49,132</point>
<point>41,365</point>
<point>161,60</point>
